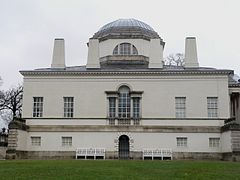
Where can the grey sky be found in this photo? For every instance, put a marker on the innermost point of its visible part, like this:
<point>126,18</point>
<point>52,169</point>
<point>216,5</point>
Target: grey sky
<point>28,28</point>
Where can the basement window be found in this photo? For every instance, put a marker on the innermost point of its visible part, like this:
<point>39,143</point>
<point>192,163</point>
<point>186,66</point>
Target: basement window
<point>181,141</point>
<point>214,142</point>
<point>66,141</point>
<point>36,141</point>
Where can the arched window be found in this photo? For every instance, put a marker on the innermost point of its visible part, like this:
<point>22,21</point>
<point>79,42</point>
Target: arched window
<point>134,50</point>
<point>125,49</point>
<point>124,106</point>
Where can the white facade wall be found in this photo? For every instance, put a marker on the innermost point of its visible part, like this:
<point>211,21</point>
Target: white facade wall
<point>52,141</point>
<point>22,140</point>
<point>158,98</point>
<point>226,141</point>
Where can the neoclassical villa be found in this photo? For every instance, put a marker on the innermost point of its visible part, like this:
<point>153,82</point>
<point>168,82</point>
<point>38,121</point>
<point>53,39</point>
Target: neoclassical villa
<point>126,104</point>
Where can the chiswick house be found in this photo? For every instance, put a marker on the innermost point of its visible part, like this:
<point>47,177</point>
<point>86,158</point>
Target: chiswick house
<point>125,103</point>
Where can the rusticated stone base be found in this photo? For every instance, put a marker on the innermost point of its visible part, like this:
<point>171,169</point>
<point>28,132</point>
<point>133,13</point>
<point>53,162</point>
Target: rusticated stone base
<point>11,154</point>
<point>197,155</point>
<point>132,155</point>
<point>114,155</point>
<point>136,155</point>
<point>111,154</point>
<point>235,156</point>
<point>51,154</point>
<point>41,155</point>
<point>3,152</point>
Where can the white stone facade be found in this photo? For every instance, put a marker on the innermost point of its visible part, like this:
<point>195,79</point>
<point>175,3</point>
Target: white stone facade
<point>152,123</point>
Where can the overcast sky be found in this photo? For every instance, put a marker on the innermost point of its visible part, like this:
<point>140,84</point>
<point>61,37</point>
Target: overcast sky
<point>28,29</point>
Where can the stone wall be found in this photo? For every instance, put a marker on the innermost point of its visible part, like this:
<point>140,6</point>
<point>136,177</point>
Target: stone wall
<point>235,140</point>
<point>231,156</point>
<point>3,152</point>
<point>137,155</point>
<point>197,155</point>
<point>42,155</point>
<point>234,129</point>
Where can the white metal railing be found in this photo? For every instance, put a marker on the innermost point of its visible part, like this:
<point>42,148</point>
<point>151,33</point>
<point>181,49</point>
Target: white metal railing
<point>157,153</point>
<point>86,153</point>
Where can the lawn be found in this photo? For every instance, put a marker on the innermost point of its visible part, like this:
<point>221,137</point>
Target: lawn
<point>115,169</point>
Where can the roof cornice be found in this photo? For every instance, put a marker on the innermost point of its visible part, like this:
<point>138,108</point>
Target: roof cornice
<point>234,85</point>
<point>117,72</point>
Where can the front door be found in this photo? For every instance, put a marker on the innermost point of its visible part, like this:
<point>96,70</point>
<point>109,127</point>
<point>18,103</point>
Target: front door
<point>123,147</point>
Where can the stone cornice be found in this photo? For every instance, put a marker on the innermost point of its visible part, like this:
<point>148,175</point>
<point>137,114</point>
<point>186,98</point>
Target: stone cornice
<point>234,85</point>
<point>99,118</point>
<point>149,72</point>
<point>107,128</point>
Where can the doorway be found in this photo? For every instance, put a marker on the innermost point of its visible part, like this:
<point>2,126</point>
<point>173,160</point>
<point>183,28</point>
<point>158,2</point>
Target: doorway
<point>123,147</point>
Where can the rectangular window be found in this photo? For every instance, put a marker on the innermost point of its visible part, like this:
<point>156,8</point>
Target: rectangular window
<point>37,106</point>
<point>36,141</point>
<point>112,107</point>
<point>68,106</point>
<point>214,142</point>
<point>136,107</point>
<point>212,106</point>
<point>180,107</point>
<point>181,142</point>
<point>66,141</point>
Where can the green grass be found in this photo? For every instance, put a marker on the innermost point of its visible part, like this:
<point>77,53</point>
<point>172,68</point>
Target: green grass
<point>115,169</point>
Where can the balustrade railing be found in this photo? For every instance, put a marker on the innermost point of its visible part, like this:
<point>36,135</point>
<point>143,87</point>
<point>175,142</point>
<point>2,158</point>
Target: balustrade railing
<point>123,121</point>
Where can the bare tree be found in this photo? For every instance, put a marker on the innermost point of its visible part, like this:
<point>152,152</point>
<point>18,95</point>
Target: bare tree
<point>11,103</point>
<point>174,59</point>
<point>6,116</point>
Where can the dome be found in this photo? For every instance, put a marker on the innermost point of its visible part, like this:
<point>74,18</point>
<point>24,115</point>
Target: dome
<point>126,28</point>
<point>126,23</point>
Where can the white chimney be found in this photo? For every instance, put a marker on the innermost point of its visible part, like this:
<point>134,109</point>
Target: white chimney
<point>191,60</point>
<point>58,60</point>
<point>156,53</point>
<point>93,54</point>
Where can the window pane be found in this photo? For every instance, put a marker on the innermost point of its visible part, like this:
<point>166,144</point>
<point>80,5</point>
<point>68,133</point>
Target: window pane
<point>68,106</point>
<point>180,107</point>
<point>124,103</point>
<point>134,50</point>
<point>37,106</point>
<point>125,49</point>
<point>136,107</point>
<point>212,105</point>
<point>181,141</point>
<point>112,107</point>
<point>36,141</point>
<point>115,51</point>
<point>66,141</point>
<point>214,142</point>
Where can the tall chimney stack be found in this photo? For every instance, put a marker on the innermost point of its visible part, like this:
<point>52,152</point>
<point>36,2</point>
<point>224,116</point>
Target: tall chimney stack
<point>191,59</point>
<point>58,60</point>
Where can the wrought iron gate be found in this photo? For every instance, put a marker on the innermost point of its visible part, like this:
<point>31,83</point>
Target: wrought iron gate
<point>123,147</point>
